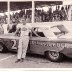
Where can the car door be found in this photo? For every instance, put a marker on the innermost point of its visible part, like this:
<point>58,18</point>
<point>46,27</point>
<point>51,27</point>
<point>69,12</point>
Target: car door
<point>40,44</point>
<point>36,42</point>
<point>11,42</point>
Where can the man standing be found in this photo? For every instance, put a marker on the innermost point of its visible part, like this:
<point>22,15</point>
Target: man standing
<point>23,40</point>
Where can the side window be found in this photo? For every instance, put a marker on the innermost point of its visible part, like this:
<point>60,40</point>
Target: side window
<point>38,32</point>
<point>35,30</point>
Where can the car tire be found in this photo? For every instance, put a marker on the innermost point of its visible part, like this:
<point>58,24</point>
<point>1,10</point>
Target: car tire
<point>54,56</point>
<point>2,48</point>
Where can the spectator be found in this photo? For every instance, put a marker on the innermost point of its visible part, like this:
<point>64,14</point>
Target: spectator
<point>17,17</point>
<point>12,27</point>
<point>1,28</point>
<point>5,26</point>
<point>50,15</point>
<point>28,19</point>
<point>22,12</point>
<point>63,14</point>
<point>43,16</point>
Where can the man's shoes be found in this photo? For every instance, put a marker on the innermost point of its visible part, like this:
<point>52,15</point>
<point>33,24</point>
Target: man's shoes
<point>22,59</point>
<point>18,60</point>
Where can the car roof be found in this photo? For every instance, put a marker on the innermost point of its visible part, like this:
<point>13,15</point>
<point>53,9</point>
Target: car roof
<point>45,24</point>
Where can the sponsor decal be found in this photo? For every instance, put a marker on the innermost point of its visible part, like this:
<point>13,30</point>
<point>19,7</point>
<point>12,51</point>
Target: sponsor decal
<point>52,44</point>
<point>24,29</point>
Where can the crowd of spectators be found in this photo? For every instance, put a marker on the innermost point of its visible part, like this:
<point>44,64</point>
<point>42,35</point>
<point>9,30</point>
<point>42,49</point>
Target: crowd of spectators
<point>59,14</point>
<point>17,16</point>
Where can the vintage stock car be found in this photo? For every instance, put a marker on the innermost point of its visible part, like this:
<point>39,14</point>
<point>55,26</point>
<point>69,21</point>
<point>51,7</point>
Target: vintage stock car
<point>53,41</point>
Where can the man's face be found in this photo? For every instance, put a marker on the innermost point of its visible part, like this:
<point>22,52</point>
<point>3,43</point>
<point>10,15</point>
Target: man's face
<point>24,23</point>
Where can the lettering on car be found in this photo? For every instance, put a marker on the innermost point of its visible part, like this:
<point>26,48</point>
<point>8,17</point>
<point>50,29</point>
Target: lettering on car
<point>52,44</point>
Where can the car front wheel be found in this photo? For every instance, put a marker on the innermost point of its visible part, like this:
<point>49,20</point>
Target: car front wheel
<point>54,56</point>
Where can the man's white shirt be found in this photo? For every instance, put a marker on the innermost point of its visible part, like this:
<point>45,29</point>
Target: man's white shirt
<point>25,29</point>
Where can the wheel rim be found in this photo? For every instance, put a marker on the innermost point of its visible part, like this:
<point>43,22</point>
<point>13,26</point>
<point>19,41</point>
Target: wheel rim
<point>53,55</point>
<point>1,48</point>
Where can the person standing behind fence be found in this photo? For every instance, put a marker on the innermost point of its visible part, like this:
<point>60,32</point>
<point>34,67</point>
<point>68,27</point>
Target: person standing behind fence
<point>23,40</point>
<point>50,15</point>
<point>1,28</point>
<point>62,14</point>
<point>56,14</point>
<point>12,27</point>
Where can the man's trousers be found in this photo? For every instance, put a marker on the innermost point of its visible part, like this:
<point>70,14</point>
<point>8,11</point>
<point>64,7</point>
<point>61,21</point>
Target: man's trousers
<point>23,45</point>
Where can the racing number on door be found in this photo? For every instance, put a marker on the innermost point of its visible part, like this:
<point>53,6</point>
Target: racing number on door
<point>14,44</point>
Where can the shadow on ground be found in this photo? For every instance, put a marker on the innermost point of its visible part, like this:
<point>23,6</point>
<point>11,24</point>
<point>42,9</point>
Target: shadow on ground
<point>65,60</point>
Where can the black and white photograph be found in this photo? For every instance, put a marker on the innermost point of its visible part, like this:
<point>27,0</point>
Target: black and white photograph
<point>36,34</point>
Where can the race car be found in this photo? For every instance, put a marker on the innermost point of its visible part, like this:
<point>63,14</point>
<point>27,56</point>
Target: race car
<point>52,41</point>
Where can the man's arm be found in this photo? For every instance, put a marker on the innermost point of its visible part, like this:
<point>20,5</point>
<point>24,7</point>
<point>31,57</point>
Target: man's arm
<point>17,32</point>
